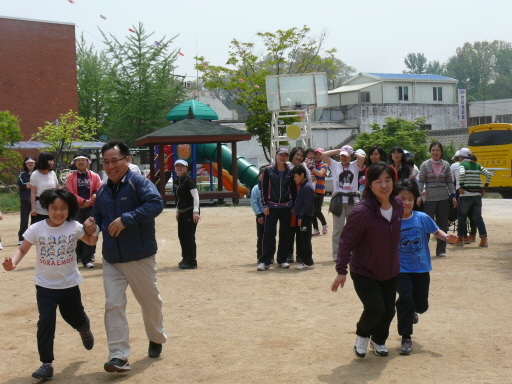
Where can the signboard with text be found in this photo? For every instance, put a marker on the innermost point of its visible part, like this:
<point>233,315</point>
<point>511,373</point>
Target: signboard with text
<point>462,108</point>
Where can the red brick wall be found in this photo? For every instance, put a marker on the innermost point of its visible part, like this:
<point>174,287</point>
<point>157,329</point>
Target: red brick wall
<point>38,79</point>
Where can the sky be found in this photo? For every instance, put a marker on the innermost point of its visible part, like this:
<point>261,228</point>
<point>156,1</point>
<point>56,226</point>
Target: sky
<point>370,35</point>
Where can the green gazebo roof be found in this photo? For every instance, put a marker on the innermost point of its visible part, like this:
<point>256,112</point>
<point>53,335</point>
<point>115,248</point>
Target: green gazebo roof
<point>200,110</point>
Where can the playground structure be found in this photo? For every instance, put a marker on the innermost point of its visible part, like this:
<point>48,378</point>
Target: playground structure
<point>206,156</point>
<point>294,96</point>
<point>206,144</point>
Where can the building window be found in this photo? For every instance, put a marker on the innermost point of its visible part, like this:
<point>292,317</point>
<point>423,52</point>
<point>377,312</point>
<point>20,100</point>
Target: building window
<point>365,97</point>
<point>403,93</point>
<point>437,93</point>
<point>480,120</point>
<point>426,127</point>
<point>507,119</point>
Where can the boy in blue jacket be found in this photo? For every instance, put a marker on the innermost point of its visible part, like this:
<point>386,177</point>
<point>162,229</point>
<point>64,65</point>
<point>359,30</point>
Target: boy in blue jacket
<point>257,207</point>
<point>304,209</point>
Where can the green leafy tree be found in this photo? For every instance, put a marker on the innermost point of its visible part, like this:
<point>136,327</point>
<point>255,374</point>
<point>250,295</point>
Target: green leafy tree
<point>289,51</point>
<point>94,93</point>
<point>68,129</point>
<point>141,83</point>
<point>397,132</point>
<point>474,65</point>
<point>416,63</point>
<point>10,133</point>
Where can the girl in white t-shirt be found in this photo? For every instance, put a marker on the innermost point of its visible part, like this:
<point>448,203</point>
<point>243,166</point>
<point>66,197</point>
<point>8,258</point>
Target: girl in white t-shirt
<point>41,180</point>
<point>56,272</point>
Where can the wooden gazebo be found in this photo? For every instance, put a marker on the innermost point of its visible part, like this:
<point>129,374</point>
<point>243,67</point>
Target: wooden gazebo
<point>195,131</point>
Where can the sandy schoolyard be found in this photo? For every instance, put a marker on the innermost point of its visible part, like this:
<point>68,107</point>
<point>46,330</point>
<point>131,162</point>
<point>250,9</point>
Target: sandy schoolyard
<point>228,323</point>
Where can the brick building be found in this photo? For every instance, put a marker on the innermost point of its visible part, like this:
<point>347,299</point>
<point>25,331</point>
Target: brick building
<point>38,78</point>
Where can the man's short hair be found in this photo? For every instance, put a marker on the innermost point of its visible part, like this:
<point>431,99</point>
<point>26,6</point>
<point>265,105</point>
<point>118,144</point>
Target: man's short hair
<point>120,144</point>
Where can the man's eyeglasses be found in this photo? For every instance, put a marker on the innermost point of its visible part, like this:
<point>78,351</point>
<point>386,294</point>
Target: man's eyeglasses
<point>113,162</point>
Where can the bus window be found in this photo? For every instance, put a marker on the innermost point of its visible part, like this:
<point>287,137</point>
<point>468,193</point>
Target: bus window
<point>479,139</point>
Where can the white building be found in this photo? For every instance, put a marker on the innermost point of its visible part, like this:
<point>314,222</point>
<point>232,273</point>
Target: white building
<point>210,99</point>
<point>370,98</point>
<point>490,111</point>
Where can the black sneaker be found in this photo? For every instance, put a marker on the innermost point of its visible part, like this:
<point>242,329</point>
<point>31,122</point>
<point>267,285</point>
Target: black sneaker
<point>406,347</point>
<point>186,265</point>
<point>154,349</point>
<point>289,259</point>
<point>45,372</point>
<point>117,365</point>
<point>181,262</point>
<point>87,339</point>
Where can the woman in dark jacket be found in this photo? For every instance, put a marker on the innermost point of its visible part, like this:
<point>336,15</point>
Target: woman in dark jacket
<point>369,243</point>
<point>29,165</point>
<point>397,160</point>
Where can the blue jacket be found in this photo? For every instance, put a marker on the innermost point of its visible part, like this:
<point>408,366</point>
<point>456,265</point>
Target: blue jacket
<point>256,203</point>
<point>137,202</point>
<point>304,203</point>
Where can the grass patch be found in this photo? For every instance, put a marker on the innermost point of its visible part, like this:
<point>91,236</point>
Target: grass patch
<point>9,202</point>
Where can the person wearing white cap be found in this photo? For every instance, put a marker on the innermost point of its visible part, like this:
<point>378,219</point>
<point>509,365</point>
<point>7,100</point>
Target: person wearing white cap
<point>346,188</point>
<point>187,214</point>
<point>470,198</point>
<point>84,184</point>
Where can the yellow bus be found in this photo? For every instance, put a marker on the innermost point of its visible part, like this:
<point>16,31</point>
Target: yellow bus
<point>492,145</point>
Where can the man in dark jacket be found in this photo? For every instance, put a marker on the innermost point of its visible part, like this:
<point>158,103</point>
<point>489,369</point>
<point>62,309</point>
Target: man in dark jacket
<point>125,210</point>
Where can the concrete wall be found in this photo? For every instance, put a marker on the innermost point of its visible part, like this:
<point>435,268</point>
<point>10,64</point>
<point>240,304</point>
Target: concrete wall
<point>38,79</point>
<point>439,116</point>
<point>490,108</point>
<point>328,138</point>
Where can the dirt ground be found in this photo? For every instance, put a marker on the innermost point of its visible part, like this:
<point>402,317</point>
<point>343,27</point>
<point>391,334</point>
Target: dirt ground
<point>228,323</point>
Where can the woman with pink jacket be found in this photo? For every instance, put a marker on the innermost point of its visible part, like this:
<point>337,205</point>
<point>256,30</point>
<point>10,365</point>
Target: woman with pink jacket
<point>84,184</point>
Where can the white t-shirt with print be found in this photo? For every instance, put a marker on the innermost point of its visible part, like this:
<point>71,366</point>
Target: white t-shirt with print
<point>56,266</point>
<point>42,183</point>
<point>345,179</point>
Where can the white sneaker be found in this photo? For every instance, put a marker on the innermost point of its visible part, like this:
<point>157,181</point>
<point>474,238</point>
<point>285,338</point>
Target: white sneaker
<point>361,346</point>
<point>263,267</point>
<point>284,265</point>
<point>316,232</point>
<point>1,245</point>
<point>303,266</point>
<point>89,265</point>
<point>325,229</point>
<point>380,350</point>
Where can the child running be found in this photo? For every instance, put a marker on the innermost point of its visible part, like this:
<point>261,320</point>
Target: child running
<point>415,265</point>
<point>303,209</point>
<point>56,272</point>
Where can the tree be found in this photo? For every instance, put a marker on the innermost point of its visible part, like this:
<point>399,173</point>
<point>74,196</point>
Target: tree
<point>474,65</point>
<point>416,63</point>
<point>61,135</point>
<point>143,87</point>
<point>289,51</point>
<point>397,132</point>
<point>93,77</point>
<point>10,133</point>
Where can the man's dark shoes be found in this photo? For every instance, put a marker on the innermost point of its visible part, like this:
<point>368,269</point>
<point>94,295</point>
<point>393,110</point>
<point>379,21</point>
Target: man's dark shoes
<point>45,372</point>
<point>87,339</point>
<point>186,265</point>
<point>117,365</point>
<point>154,349</point>
<point>181,262</point>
